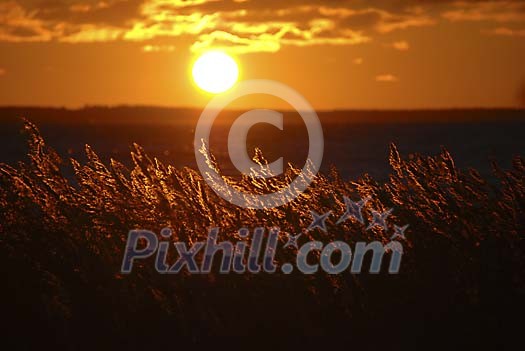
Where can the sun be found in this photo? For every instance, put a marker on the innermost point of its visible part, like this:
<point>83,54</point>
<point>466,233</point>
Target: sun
<point>215,72</point>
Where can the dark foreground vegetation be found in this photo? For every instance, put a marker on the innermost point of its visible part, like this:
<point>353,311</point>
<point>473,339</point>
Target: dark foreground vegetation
<point>61,246</point>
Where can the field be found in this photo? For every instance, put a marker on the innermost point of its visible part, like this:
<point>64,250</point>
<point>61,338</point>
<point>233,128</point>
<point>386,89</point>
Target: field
<point>65,217</point>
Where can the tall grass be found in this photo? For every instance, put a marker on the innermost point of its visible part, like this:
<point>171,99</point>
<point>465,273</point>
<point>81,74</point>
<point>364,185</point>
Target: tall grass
<point>62,241</point>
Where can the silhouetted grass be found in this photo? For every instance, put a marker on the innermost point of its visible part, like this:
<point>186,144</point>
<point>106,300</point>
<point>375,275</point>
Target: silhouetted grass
<point>62,241</point>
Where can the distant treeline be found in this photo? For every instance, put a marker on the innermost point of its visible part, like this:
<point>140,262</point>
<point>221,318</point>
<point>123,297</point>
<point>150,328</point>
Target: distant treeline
<point>151,114</point>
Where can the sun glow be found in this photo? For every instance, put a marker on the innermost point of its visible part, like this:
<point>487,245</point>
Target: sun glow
<point>215,72</point>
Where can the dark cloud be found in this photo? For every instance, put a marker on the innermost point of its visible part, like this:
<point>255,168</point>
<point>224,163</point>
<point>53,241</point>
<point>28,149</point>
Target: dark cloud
<point>24,32</point>
<point>112,12</point>
<point>361,20</point>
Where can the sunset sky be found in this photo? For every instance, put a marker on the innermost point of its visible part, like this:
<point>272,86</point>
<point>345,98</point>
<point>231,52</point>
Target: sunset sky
<point>339,54</point>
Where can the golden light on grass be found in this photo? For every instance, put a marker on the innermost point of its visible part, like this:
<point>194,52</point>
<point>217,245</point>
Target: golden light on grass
<point>215,72</point>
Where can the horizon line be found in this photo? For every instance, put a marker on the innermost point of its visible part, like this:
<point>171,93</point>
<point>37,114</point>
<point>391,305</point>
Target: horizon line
<point>324,110</point>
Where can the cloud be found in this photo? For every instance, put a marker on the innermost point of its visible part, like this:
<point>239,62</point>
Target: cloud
<point>236,44</point>
<point>94,12</point>
<point>158,48</point>
<point>171,25</point>
<point>401,45</point>
<point>492,11</point>
<point>241,26</point>
<point>92,34</point>
<point>379,20</point>
<point>504,31</point>
<point>19,25</point>
<point>240,43</point>
<point>243,31</point>
<point>386,78</point>
<point>245,26</point>
<point>390,22</point>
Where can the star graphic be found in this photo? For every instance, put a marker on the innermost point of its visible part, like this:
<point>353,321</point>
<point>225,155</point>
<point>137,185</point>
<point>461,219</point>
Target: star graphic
<point>379,219</point>
<point>353,210</point>
<point>399,232</point>
<point>319,220</point>
<point>292,240</point>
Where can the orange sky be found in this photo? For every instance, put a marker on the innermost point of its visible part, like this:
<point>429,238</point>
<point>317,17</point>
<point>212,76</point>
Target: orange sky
<point>338,54</point>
